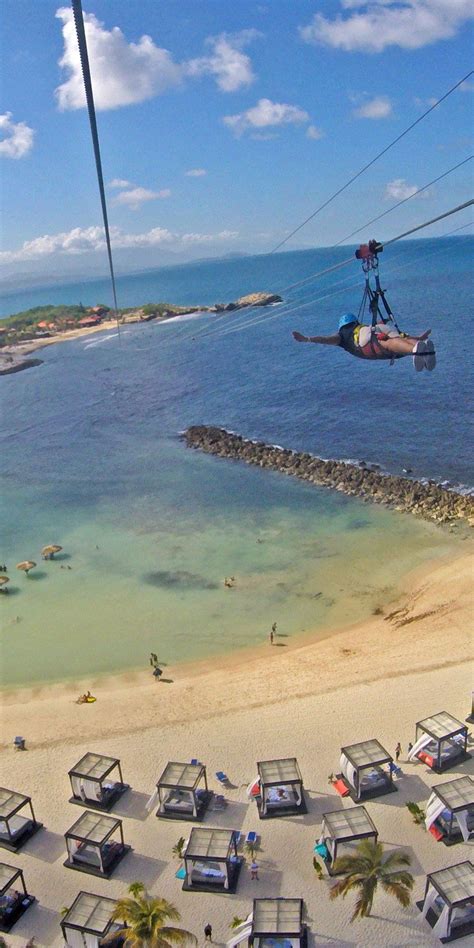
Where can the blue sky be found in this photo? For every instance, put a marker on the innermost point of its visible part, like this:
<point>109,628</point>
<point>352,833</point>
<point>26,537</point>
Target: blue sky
<point>223,124</point>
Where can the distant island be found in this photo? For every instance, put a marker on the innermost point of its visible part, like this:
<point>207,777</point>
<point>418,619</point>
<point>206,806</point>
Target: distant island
<point>23,333</point>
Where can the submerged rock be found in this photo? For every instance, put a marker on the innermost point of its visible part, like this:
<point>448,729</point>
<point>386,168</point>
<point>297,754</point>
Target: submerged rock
<point>167,579</point>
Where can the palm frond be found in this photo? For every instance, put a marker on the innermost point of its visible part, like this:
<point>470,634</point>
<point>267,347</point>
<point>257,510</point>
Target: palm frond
<point>177,936</point>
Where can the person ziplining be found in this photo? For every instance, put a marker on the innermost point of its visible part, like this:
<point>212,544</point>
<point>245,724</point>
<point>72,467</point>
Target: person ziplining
<point>382,339</point>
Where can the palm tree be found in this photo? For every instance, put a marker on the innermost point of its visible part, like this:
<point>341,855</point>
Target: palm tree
<point>145,919</point>
<point>365,869</point>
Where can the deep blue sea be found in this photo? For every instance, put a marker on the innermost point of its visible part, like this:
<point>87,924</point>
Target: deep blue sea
<point>91,459</point>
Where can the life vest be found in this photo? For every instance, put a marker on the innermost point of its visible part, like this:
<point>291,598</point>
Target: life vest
<point>349,340</point>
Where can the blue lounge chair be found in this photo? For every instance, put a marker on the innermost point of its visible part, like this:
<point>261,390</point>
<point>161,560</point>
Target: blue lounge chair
<point>251,837</point>
<point>195,761</point>
<point>221,776</point>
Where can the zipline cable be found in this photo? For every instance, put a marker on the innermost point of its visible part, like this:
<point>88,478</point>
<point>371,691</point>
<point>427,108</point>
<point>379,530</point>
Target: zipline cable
<point>370,163</point>
<point>86,75</point>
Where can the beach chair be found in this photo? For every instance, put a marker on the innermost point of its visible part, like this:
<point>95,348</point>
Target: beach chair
<point>251,837</point>
<point>222,777</point>
<point>195,761</point>
<point>340,788</point>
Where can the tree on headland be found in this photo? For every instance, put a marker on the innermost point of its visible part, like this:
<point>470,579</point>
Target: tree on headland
<point>366,869</point>
<point>145,919</point>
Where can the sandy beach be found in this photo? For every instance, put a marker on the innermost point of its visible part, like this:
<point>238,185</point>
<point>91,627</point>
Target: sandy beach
<point>372,680</point>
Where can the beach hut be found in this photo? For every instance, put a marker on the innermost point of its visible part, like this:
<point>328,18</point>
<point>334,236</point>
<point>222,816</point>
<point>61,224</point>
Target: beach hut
<point>211,861</point>
<point>94,782</point>
<point>450,811</point>
<point>95,844</point>
<point>17,820</point>
<point>88,922</point>
<point>281,788</point>
<point>366,770</point>
<point>278,922</point>
<point>440,742</point>
<point>182,792</point>
<point>341,832</point>
<point>448,905</point>
<point>14,899</point>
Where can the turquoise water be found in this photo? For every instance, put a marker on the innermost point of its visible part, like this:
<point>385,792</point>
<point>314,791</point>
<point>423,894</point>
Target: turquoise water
<point>91,459</point>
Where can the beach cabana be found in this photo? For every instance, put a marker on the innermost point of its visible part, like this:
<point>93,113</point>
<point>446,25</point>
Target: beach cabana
<point>88,922</point>
<point>448,905</point>
<point>211,861</point>
<point>95,844</point>
<point>450,811</point>
<point>366,770</point>
<point>94,782</point>
<point>14,899</point>
<point>278,922</point>
<point>280,788</point>
<point>440,742</point>
<point>341,832</point>
<point>17,820</point>
<point>182,792</point>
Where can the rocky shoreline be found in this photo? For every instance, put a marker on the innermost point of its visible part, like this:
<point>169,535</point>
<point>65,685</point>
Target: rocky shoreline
<point>430,501</point>
<point>8,368</point>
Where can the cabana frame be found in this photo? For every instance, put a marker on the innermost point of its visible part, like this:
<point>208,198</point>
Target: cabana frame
<point>281,788</point>
<point>342,827</point>
<point>455,886</point>
<point>211,861</point>
<point>15,830</point>
<point>458,797</point>
<point>179,794</point>
<point>365,758</point>
<point>10,913</point>
<point>91,783</point>
<point>279,920</point>
<point>443,729</point>
<point>89,845</point>
<point>90,915</point>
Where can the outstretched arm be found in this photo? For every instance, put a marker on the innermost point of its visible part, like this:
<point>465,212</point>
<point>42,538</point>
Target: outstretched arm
<point>323,340</point>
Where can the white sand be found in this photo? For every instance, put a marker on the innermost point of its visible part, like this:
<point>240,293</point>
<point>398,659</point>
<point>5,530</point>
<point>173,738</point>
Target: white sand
<point>375,680</point>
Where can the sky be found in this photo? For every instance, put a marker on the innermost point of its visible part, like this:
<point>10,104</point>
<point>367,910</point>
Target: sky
<point>223,125</point>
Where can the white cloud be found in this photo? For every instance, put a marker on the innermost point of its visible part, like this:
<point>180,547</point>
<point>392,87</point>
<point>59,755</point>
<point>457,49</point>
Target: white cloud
<point>135,197</point>
<point>377,24</point>
<point>266,114</point>
<point>120,183</point>
<point>91,239</point>
<point>378,108</point>
<point>122,72</point>
<point>314,133</point>
<point>209,238</point>
<point>400,190</point>
<point>195,173</point>
<point>16,138</point>
<point>466,86</point>
<point>231,67</point>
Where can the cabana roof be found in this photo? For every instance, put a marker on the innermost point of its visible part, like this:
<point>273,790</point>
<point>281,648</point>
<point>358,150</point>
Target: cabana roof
<point>93,827</point>
<point>441,725</point>
<point>90,913</point>
<point>212,844</point>
<point>10,802</point>
<point>456,794</point>
<point>8,875</point>
<point>277,917</point>
<point>366,753</point>
<point>183,776</point>
<point>275,772</point>
<point>455,884</point>
<point>346,824</point>
<point>94,766</point>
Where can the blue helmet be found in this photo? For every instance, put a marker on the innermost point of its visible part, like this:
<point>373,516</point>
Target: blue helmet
<point>346,319</point>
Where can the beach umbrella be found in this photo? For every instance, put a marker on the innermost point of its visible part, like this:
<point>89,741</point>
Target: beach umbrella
<point>48,551</point>
<point>26,565</point>
<point>253,789</point>
<point>3,582</point>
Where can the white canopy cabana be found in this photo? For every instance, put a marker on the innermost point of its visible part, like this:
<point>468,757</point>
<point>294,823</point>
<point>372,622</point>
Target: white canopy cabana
<point>88,921</point>
<point>450,809</point>
<point>448,905</point>
<point>366,769</point>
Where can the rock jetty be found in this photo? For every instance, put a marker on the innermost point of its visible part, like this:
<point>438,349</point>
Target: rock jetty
<point>252,299</point>
<point>8,368</point>
<point>427,500</point>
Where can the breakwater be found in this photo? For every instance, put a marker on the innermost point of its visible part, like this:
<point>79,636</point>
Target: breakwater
<point>427,500</point>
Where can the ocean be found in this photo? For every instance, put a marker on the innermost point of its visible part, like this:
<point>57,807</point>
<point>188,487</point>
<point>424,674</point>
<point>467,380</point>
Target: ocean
<point>91,459</point>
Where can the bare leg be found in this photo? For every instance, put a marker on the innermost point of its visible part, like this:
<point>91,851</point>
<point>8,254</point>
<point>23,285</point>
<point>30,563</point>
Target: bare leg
<point>399,345</point>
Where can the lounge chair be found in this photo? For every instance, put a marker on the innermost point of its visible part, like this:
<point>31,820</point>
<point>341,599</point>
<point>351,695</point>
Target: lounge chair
<point>222,777</point>
<point>251,837</point>
<point>195,761</point>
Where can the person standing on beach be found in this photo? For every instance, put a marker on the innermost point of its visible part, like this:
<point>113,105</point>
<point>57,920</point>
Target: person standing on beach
<point>153,660</point>
<point>208,932</point>
<point>254,870</point>
<point>271,635</point>
<point>398,751</point>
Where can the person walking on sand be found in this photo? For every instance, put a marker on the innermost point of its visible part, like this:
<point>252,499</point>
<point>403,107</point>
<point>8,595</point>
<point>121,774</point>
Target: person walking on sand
<point>208,932</point>
<point>153,659</point>
<point>274,628</point>
<point>254,870</point>
<point>398,751</point>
